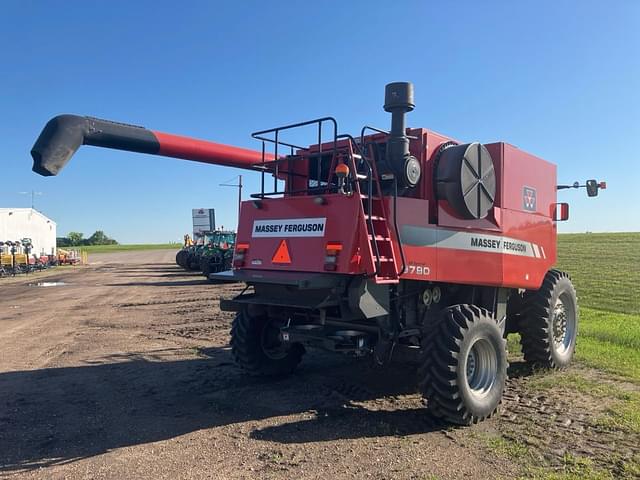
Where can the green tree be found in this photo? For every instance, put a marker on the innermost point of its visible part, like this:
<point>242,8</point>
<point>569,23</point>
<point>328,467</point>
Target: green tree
<point>75,238</point>
<point>99,238</point>
<point>63,242</point>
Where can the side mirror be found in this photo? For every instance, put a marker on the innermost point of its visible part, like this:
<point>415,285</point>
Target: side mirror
<point>592,188</point>
<point>560,212</point>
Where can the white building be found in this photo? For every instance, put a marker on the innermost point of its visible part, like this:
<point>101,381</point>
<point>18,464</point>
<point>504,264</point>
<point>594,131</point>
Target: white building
<point>19,223</point>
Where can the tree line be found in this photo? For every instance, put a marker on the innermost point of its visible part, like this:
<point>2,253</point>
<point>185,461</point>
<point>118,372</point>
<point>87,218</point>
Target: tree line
<point>75,239</point>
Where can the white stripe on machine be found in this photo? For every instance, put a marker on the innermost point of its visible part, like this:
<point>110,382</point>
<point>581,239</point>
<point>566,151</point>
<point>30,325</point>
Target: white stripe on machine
<point>477,242</point>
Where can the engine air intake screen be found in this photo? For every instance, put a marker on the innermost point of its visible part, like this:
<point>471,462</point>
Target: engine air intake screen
<point>465,178</point>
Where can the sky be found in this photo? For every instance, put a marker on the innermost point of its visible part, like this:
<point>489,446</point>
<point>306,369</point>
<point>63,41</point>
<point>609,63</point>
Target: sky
<point>559,79</point>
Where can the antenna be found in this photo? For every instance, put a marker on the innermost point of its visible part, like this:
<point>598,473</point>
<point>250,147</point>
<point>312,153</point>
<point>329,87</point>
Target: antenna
<point>33,194</point>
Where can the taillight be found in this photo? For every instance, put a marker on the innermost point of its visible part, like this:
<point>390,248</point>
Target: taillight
<point>239,254</point>
<point>332,250</point>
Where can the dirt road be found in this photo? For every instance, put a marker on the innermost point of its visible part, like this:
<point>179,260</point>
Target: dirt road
<point>122,370</point>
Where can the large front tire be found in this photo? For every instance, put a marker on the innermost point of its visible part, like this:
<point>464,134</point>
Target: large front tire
<point>181,258</point>
<point>464,365</point>
<point>549,322</point>
<point>256,346</point>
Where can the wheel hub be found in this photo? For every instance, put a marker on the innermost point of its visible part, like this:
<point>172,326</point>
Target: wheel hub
<point>482,367</point>
<point>563,323</point>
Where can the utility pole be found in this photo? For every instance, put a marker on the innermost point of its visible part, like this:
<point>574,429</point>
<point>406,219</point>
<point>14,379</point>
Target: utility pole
<point>239,187</point>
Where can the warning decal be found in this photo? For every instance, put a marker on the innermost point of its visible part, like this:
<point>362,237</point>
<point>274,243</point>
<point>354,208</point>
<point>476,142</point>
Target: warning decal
<point>282,253</point>
<point>289,227</point>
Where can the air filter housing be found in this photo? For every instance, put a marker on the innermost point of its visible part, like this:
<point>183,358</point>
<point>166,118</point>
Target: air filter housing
<point>465,178</point>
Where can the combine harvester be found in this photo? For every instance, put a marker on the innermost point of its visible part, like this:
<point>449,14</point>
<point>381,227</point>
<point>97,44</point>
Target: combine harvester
<point>401,240</point>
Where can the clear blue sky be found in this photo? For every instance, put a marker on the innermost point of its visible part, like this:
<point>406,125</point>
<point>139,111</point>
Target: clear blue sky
<point>560,79</point>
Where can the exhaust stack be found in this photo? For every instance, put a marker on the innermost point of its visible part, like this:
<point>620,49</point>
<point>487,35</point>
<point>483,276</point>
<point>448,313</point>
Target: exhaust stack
<point>64,134</point>
<point>398,100</point>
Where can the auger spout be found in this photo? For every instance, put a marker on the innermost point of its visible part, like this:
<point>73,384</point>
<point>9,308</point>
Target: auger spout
<point>64,134</point>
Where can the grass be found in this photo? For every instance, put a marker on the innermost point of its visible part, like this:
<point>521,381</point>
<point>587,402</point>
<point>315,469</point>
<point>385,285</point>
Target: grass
<point>575,382</point>
<point>605,268</point>
<point>125,248</point>
<point>623,406</point>
<point>574,468</point>
<point>623,415</point>
<point>513,449</point>
<point>610,342</point>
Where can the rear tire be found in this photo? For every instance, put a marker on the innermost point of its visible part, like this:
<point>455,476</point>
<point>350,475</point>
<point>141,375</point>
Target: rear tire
<point>549,322</point>
<point>257,348</point>
<point>464,365</point>
<point>181,258</point>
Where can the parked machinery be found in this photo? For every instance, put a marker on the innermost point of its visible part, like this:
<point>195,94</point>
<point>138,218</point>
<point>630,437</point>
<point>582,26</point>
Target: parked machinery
<point>5,259</point>
<point>15,257</point>
<point>399,240</point>
<point>68,257</point>
<point>183,253</point>
<point>218,254</point>
<point>211,253</point>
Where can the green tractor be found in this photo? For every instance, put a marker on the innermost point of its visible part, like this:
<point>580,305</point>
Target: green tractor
<point>218,252</point>
<point>189,256</point>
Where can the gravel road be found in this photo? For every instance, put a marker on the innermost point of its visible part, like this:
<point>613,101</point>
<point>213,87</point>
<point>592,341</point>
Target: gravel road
<point>122,369</point>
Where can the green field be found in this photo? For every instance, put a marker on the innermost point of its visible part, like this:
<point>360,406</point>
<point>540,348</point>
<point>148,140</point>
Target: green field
<point>605,268</point>
<point>124,248</point>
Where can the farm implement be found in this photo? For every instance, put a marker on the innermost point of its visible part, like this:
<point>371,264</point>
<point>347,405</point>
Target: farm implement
<point>390,240</point>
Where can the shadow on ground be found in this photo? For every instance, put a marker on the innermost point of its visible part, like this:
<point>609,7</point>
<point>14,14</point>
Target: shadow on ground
<point>166,283</point>
<point>59,415</point>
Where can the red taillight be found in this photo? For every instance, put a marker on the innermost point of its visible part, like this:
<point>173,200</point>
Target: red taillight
<point>238,256</point>
<point>333,248</point>
<point>331,257</point>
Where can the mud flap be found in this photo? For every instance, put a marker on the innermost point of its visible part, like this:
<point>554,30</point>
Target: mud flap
<point>371,299</point>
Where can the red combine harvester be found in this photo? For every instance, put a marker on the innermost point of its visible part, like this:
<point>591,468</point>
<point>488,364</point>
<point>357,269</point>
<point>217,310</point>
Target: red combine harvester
<point>401,240</point>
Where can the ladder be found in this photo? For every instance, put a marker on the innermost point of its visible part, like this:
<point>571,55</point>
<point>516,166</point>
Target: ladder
<point>380,259</point>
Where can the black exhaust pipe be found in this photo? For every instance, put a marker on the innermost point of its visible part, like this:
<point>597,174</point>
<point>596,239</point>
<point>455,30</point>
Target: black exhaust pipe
<point>398,100</point>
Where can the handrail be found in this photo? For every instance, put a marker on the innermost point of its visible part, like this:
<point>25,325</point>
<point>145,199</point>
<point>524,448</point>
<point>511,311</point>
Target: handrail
<point>369,195</point>
<point>395,198</point>
<point>260,135</point>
